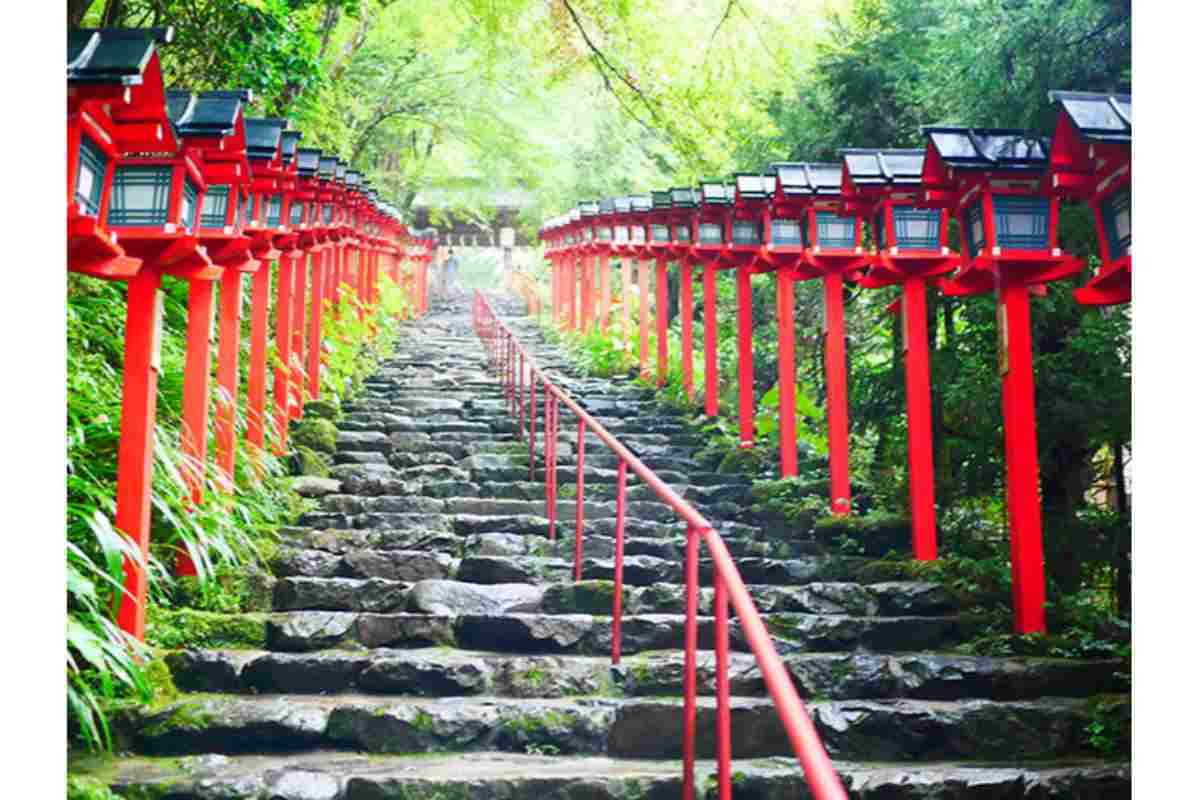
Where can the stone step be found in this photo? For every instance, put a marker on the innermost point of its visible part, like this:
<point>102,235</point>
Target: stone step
<point>595,597</point>
<point>453,673</point>
<point>339,775</point>
<point>585,634</point>
<point>870,730</point>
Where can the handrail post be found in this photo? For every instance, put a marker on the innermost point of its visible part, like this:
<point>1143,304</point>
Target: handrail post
<point>520,367</point>
<point>283,349</point>
<point>553,466</point>
<point>619,563</point>
<point>724,735</point>
<point>690,637</point>
<point>662,315</point>
<point>685,323</point>
<point>532,421</point>
<point>579,505</point>
<point>710,339</point>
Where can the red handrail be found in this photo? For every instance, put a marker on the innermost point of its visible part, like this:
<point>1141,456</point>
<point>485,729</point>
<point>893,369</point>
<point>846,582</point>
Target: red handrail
<point>513,363</point>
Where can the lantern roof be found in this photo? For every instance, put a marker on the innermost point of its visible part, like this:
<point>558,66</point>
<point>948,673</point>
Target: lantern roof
<point>263,135</point>
<point>866,166</point>
<point>112,55</point>
<point>804,178</point>
<point>211,114</point>
<point>660,198</point>
<point>716,193</point>
<point>988,148</point>
<point>288,142</point>
<point>623,205</point>
<point>588,208</point>
<point>753,186</point>
<point>327,168</point>
<point>684,197</point>
<point>1098,117</point>
<point>608,206</point>
<point>352,178</point>
<point>307,161</point>
<point>640,203</point>
<point>340,175</point>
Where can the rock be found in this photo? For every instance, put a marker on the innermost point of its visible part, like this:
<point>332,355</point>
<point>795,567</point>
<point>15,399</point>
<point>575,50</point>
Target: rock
<point>340,594</point>
<point>312,486</point>
<point>911,597</point>
<point>207,670</point>
<point>316,434</point>
<point>456,597</point>
<point>324,409</point>
<point>427,675</point>
<point>307,461</point>
<point>512,569</point>
<point>309,630</point>
<point>404,630</point>
<point>363,441</point>
<point>504,544</point>
<point>303,784</point>
<point>230,724</point>
<point>523,633</point>
<point>638,570</point>
<point>363,457</point>
<point>403,504</point>
<point>303,672</point>
<point>308,563</point>
<point>585,597</point>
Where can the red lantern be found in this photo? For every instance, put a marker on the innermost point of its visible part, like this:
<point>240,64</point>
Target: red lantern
<point>1090,161</point>
<point>991,180</point>
<point>911,249</point>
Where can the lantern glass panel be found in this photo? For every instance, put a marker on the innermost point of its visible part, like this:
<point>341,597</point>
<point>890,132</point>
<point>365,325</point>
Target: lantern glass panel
<point>621,234</point>
<point>976,236</point>
<point>785,231</point>
<point>638,234</point>
<point>1022,223</point>
<point>139,196</point>
<point>296,214</point>
<point>274,210</point>
<point>917,228</point>
<point>746,232</point>
<point>711,233</point>
<point>879,230</point>
<point>834,231</point>
<point>683,233</point>
<point>661,233</point>
<point>89,181</point>
<point>216,203</point>
<point>187,205</point>
<point>327,213</point>
<point>604,234</point>
<point>587,234</point>
<point>1117,211</point>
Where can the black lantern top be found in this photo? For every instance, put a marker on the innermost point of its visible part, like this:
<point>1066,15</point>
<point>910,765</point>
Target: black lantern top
<point>340,175</point>
<point>588,208</point>
<point>715,193</point>
<point>753,186</point>
<point>289,141</point>
<point>867,167</point>
<point>1098,117</point>
<point>623,205</point>
<point>607,206</point>
<point>352,178</point>
<point>639,203</point>
<point>263,136</point>
<point>988,148</point>
<point>308,162</point>
<point>112,55</point>
<point>327,168</point>
<point>660,199</point>
<point>796,179</point>
<point>685,197</point>
<point>206,114</point>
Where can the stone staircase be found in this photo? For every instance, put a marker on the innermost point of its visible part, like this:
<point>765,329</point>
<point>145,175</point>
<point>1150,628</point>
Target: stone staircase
<point>428,641</point>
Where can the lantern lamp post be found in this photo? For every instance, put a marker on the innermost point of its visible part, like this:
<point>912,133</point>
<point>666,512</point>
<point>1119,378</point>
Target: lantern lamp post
<point>911,248</point>
<point>573,273</point>
<point>602,246</point>
<point>588,209</point>
<point>639,246</point>
<point>992,181</point>
<point>683,205</point>
<point>659,244</point>
<point>212,129</point>
<point>1090,161</point>
<point>622,248</point>
<point>831,243</point>
<point>120,137</point>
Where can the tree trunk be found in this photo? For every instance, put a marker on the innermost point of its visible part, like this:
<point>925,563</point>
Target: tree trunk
<point>1123,547</point>
<point>77,10</point>
<point>114,14</point>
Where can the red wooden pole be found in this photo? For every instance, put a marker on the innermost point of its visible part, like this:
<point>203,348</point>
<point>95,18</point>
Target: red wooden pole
<point>135,448</point>
<point>196,371</point>
<point>745,322</point>
<point>283,349</point>
<point>256,379</point>
<point>605,292</point>
<point>724,732</point>
<point>835,382</point>
<point>626,299</point>
<point>920,426</point>
<point>619,562</point>
<point>690,643</point>
<point>298,311</point>
<point>785,295</point>
<point>661,316</point>
<point>572,287</point>
<point>710,339</point>
<point>587,299</point>
<point>685,322</point>
<point>314,322</point>
<point>1021,460</point>
<point>644,318</point>
<point>579,505</point>
<point>228,354</point>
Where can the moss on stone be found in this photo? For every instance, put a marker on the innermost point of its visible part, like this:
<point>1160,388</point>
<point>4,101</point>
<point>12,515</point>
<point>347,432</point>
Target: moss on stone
<point>317,434</point>
<point>885,571</point>
<point>874,534</point>
<point>190,716</point>
<point>744,461</point>
<point>178,628</point>
<point>160,680</point>
<point>323,409</point>
<point>585,597</point>
<point>310,462</point>
<point>87,788</point>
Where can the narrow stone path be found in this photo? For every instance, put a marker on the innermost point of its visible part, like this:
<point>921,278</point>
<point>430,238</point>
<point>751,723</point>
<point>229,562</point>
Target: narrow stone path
<point>427,639</point>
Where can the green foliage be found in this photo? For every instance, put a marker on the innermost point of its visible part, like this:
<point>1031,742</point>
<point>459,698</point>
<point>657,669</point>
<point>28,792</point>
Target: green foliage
<point>177,628</point>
